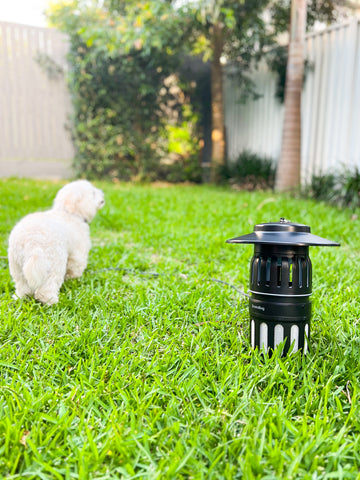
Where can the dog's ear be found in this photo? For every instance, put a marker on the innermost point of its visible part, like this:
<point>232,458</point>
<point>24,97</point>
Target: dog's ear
<point>67,200</point>
<point>71,202</point>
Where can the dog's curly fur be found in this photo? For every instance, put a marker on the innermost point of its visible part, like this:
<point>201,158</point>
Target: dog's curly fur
<point>47,247</point>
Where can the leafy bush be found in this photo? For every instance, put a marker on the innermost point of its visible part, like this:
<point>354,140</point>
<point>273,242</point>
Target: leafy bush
<point>341,189</point>
<point>250,172</point>
<point>350,188</point>
<point>132,111</point>
<point>323,187</point>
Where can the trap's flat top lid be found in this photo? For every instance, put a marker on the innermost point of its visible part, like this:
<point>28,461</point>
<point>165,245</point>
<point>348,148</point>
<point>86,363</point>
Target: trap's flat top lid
<point>283,233</point>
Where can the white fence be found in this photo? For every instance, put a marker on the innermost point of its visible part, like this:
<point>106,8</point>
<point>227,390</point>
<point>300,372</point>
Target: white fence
<point>330,106</point>
<point>34,102</point>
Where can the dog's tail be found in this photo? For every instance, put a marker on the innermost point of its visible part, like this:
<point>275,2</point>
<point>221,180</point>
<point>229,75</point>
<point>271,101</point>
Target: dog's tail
<point>36,270</point>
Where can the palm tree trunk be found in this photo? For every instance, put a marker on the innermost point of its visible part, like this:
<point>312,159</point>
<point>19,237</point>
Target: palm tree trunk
<point>288,170</point>
<point>217,106</point>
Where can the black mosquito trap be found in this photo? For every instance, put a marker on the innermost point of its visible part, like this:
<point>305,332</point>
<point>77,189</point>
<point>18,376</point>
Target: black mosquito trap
<point>280,284</point>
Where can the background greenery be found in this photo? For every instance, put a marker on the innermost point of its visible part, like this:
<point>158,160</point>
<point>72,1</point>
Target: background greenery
<point>140,112</point>
<point>136,114</point>
<point>143,369</point>
<point>340,188</point>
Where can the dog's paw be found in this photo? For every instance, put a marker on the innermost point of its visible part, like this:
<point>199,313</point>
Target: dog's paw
<point>46,298</point>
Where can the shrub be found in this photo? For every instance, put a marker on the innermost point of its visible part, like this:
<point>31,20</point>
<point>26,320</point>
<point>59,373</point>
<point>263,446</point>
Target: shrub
<point>128,101</point>
<point>341,189</point>
<point>323,187</point>
<point>250,172</point>
<point>350,188</point>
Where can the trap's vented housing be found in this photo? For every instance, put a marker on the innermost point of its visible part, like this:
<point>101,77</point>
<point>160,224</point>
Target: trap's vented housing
<point>281,284</point>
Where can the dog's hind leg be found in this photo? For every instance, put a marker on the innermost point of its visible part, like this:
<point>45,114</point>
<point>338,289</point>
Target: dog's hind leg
<point>45,275</point>
<point>22,288</point>
<point>48,293</point>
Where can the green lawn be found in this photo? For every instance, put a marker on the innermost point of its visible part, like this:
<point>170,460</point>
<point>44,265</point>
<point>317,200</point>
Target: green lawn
<point>143,369</point>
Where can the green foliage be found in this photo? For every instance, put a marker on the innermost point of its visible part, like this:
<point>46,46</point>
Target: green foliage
<point>244,31</point>
<point>323,187</point>
<point>326,11</point>
<point>245,35</point>
<point>127,93</point>
<point>144,368</point>
<point>277,62</point>
<point>339,189</point>
<point>350,188</point>
<point>250,172</point>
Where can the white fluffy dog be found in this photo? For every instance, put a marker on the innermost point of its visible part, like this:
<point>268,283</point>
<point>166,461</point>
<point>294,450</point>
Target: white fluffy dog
<point>45,248</point>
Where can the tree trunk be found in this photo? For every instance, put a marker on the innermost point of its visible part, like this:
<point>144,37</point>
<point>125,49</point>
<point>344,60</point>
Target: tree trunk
<point>217,106</point>
<point>288,170</point>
